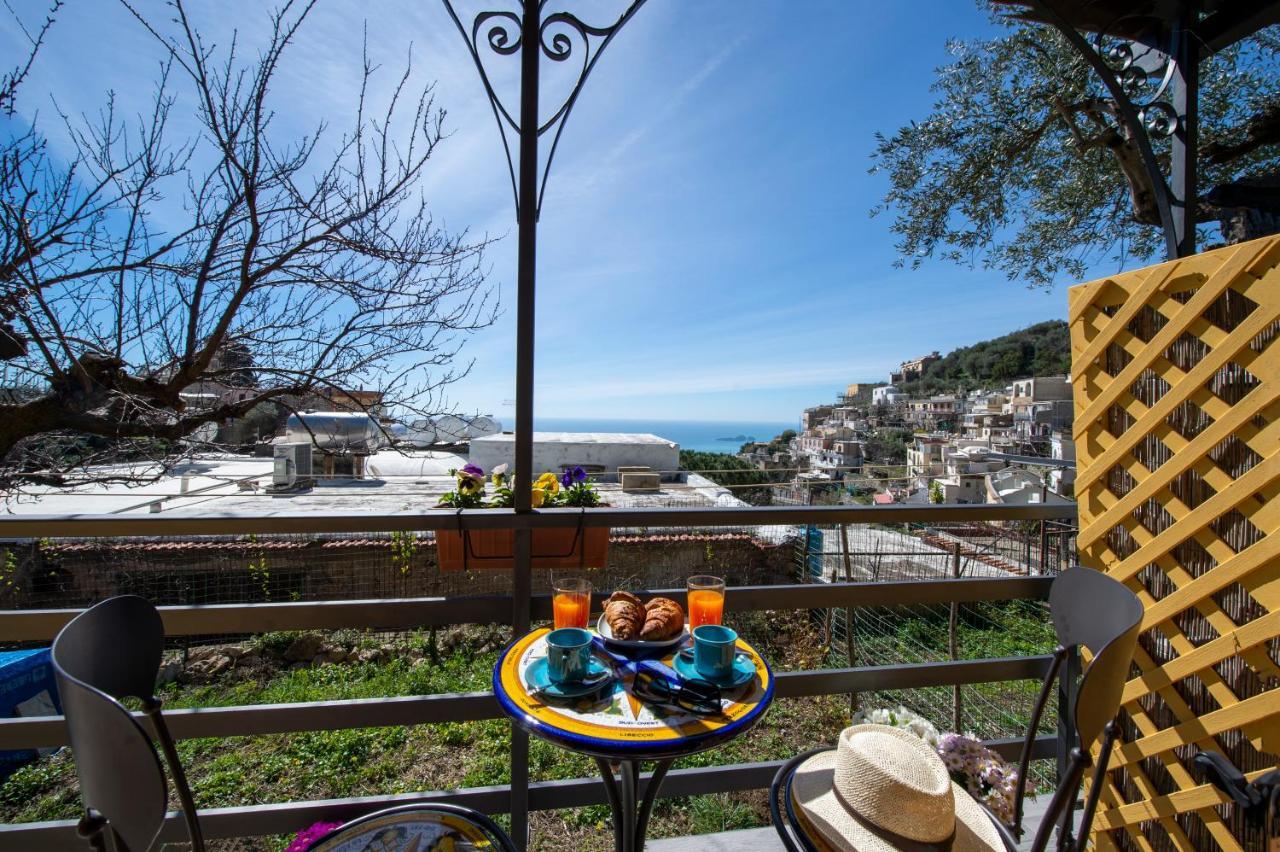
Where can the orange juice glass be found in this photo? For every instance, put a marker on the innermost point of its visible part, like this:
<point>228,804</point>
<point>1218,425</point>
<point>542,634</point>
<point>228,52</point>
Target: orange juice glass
<point>706,600</point>
<point>571,602</point>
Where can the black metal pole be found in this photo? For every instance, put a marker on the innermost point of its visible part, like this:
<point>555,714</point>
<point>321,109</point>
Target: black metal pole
<point>1186,137</point>
<point>526,263</point>
<point>526,275</point>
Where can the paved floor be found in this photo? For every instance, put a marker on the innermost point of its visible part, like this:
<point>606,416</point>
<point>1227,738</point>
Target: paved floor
<point>766,839</point>
<point>747,840</point>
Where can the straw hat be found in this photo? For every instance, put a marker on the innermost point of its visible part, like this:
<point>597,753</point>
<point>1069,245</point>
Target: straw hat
<point>884,788</point>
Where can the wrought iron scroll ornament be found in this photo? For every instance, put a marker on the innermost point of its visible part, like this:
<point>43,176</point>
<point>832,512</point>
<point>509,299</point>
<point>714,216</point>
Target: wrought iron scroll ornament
<point>1135,65</point>
<point>1137,119</point>
<point>562,37</point>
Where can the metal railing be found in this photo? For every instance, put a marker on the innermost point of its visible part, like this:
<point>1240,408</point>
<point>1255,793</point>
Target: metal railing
<point>521,796</point>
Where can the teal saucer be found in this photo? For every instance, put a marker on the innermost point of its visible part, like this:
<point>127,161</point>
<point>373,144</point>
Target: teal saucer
<point>538,680</point>
<point>743,670</point>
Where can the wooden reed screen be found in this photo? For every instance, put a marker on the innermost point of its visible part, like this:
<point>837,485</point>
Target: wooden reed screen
<point>1176,384</point>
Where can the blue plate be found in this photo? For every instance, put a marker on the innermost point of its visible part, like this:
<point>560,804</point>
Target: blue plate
<point>743,670</point>
<point>538,680</point>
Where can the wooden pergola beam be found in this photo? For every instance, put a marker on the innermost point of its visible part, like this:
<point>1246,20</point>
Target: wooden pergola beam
<point>1235,21</point>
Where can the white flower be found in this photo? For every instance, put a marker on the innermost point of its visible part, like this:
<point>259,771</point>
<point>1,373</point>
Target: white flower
<point>899,717</point>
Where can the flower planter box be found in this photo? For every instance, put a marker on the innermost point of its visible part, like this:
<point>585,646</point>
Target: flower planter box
<point>570,547</point>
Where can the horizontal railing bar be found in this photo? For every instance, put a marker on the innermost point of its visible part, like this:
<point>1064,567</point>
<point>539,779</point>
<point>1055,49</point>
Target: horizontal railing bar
<point>259,719</point>
<point>27,625</point>
<point>1044,747</point>
<point>911,676</point>
<point>412,613</point>
<point>887,593</point>
<point>857,595</point>
<point>44,526</point>
<point>289,817</point>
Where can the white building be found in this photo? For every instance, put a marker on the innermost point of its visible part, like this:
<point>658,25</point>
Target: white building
<point>1063,448</point>
<point>925,456</point>
<point>841,455</point>
<point>594,452</point>
<point>886,395</point>
<point>1020,487</point>
<point>963,488</point>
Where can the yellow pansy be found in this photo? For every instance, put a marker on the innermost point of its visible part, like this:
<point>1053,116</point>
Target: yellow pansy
<point>544,488</point>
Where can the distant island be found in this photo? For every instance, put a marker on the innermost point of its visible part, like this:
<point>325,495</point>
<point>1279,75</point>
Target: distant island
<point>738,439</point>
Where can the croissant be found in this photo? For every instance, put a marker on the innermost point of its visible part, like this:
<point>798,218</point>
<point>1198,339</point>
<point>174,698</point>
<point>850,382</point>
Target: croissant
<point>664,619</point>
<point>624,614</point>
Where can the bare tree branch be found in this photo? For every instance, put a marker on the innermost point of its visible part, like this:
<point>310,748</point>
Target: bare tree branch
<point>294,267</point>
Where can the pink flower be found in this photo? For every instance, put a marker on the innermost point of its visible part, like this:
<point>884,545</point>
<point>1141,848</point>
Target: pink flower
<point>310,835</point>
<point>983,772</point>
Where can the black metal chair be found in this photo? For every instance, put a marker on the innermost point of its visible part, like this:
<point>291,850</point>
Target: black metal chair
<point>463,825</point>
<point>111,652</point>
<point>108,653</point>
<point>1091,610</point>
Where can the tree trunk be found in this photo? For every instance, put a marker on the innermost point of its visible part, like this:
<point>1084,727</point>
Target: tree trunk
<point>1241,224</point>
<point>1246,209</point>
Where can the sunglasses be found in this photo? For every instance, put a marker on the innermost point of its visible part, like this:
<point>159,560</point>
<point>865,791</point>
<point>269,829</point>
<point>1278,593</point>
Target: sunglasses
<point>695,696</point>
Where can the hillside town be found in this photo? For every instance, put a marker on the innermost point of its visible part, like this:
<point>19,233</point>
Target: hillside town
<point>878,443</point>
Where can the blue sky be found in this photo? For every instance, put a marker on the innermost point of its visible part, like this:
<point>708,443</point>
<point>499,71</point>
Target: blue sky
<point>706,248</point>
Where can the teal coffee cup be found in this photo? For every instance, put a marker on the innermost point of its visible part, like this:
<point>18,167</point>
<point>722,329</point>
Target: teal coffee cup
<point>714,647</point>
<point>568,653</point>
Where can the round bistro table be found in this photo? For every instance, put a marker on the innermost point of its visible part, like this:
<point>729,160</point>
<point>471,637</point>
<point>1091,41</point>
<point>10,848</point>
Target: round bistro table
<point>618,729</point>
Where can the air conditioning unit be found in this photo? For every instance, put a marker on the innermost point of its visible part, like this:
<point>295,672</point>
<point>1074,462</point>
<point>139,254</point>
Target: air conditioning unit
<point>292,466</point>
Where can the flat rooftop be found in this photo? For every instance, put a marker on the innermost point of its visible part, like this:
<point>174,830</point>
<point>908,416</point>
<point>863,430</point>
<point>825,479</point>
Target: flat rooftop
<point>580,438</point>
<point>227,485</point>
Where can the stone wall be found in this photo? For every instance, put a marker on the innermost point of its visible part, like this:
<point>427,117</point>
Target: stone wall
<point>296,568</point>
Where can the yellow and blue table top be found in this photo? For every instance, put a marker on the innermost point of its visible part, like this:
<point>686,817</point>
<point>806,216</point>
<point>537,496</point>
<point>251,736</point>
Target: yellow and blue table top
<point>615,723</point>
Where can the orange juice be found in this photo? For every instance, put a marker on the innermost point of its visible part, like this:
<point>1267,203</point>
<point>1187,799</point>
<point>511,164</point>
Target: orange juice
<point>571,609</point>
<point>705,607</point>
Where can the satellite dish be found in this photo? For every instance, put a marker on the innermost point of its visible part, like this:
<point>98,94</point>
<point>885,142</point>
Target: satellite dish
<point>451,428</point>
<point>483,425</point>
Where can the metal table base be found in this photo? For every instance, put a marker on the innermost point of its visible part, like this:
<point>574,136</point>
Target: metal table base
<point>630,817</point>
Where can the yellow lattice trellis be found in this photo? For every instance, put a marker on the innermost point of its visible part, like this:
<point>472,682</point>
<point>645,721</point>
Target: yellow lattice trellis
<point>1176,375</point>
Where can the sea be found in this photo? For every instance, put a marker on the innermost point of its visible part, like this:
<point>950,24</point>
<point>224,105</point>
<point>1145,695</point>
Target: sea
<point>712,436</point>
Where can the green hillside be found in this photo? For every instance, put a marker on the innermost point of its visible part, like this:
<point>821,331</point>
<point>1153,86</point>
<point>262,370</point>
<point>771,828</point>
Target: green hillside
<point>1043,349</point>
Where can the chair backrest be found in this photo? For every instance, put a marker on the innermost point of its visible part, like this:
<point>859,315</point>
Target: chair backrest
<point>1092,610</point>
<point>115,647</point>
<point>108,652</point>
<point>782,809</point>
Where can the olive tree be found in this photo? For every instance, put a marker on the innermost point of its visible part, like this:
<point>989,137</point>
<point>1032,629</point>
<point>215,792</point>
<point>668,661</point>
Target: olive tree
<point>1023,165</point>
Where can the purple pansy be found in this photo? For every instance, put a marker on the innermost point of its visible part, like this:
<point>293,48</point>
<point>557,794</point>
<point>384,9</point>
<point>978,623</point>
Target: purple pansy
<point>572,475</point>
<point>474,471</point>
